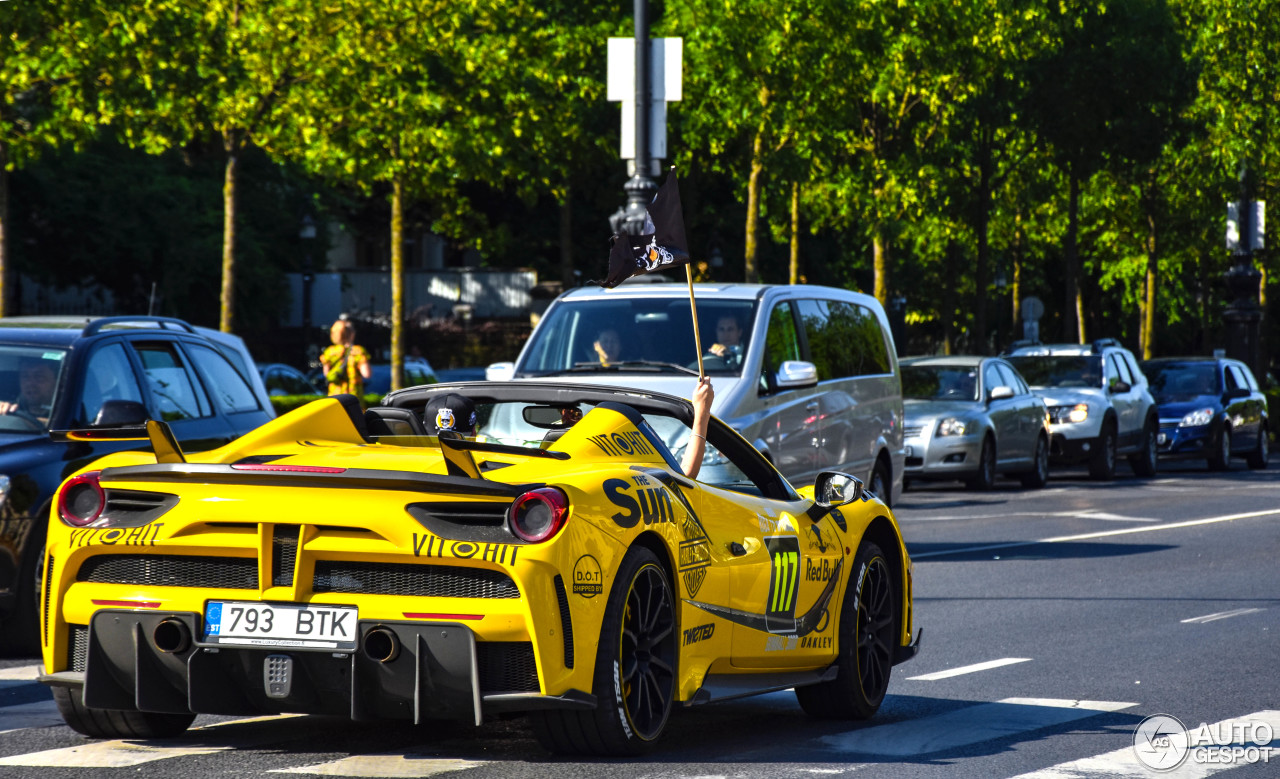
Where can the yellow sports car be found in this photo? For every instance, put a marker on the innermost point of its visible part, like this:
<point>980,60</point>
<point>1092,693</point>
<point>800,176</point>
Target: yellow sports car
<point>523,547</point>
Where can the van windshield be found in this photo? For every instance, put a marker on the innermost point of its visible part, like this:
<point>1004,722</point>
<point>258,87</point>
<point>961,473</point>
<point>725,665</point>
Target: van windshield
<point>640,336</point>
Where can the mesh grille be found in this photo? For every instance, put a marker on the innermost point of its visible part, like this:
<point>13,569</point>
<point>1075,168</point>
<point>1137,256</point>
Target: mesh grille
<point>48,587</point>
<point>432,581</point>
<point>284,551</point>
<point>235,573</point>
<point>507,666</point>
<point>566,621</point>
<point>78,647</point>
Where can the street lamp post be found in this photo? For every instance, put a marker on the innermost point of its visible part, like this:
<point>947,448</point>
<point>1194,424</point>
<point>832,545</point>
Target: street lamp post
<point>307,234</point>
<point>1243,315</point>
<point>641,187</point>
<point>1001,283</point>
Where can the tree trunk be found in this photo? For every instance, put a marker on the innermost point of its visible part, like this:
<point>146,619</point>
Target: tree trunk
<point>983,198</point>
<point>948,305</point>
<point>795,232</point>
<point>751,268</point>
<point>566,238</point>
<point>880,262</point>
<point>397,282</point>
<point>1153,273</point>
<point>1073,326</point>
<point>228,304</point>
<point>1015,288</point>
<point>4,231</point>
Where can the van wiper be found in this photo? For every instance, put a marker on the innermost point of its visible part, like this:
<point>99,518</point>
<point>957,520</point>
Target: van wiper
<point>655,366</point>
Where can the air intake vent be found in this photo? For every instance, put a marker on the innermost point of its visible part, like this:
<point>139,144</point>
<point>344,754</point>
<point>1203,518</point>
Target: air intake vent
<point>566,621</point>
<point>77,647</point>
<point>48,592</point>
<point>506,666</point>
<point>429,581</point>
<point>133,508</point>
<point>235,573</point>
<point>458,521</point>
<point>284,551</point>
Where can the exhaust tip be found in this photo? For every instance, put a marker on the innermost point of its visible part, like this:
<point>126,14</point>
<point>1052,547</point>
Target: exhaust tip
<point>171,635</point>
<point>381,644</point>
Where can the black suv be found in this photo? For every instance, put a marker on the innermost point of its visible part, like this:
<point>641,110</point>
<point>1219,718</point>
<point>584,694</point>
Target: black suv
<point>59,374</point>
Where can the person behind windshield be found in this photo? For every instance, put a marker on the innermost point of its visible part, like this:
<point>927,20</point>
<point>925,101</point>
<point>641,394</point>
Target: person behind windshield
<point>36,380</point>
<point>608,346</point>
<point>728,346</point>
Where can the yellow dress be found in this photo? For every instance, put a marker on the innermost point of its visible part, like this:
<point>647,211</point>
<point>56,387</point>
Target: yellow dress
<point>344,378</point>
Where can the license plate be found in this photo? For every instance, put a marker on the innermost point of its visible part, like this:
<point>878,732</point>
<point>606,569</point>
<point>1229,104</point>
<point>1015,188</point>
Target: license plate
<point>911,452</point>
<point>1161,439</point>
<point>280,624</point>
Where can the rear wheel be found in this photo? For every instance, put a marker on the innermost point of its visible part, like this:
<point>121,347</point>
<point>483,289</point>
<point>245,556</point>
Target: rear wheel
<point>1261,454</point>
<point>112,723</point>
<point>635,670</point>
<point>1102,465</point>
<point>985,478</point>
<point>1038,476</point>
<point>881,484</point>
<point>1220,457</point>
<point>1143,461</point>
<point>868,634</point>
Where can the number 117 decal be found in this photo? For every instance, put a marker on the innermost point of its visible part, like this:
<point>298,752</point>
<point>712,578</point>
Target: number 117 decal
<point>784,583</point>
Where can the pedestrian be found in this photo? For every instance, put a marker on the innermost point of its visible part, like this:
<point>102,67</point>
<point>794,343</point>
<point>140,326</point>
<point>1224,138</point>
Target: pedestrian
<point>346,365</point>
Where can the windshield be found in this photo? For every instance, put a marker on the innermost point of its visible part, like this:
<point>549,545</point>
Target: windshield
<point>1184,379</point>
<point>1060,370</point>
<point>28,379</point>
<point>640,336</point>
<point>940,382</point>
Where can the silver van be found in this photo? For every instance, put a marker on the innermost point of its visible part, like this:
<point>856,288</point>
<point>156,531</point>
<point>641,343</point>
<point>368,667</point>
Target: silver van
<point>808,374</point>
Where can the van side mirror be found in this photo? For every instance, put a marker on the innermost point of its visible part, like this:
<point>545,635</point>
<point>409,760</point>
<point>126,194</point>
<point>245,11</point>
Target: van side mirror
<point>833,488</point>
<point>793,374</point>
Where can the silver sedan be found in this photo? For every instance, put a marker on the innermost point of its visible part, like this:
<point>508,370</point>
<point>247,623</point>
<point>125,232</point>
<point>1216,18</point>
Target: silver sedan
<point>969,418</point>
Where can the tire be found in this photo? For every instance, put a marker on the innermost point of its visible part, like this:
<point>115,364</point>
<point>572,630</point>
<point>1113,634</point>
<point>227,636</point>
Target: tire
<point>985,478</point>
<point>111,723</point>
<point>1102,466</point>
<point>868,634</point>
<point>635,674</point>
<point>20,636</point>
<point>1143,461</point>
<point>1260,457</point>
<point>1220,457</point>
<point>1038,476</point>
<point>881,485</point>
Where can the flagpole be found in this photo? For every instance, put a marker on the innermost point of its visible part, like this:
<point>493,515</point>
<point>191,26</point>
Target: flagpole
<point>693,308</point>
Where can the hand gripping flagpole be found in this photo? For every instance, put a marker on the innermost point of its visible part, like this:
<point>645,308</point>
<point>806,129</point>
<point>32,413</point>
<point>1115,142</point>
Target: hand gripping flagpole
<point>693,309</point>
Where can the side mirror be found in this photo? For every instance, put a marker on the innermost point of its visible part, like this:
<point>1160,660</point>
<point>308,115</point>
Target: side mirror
<point>500,371</point>
<point>833,488</point>
<point>793,374</point>
<point>1119,386</point>
<point>121,413</point>
<point>1000,393</point>
<point>1238,392</point>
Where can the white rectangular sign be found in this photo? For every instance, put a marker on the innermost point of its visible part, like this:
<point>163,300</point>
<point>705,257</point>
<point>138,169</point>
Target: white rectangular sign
<point>665,85</point>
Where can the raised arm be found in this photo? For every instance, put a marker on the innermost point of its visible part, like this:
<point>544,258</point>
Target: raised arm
<point>703,394</point>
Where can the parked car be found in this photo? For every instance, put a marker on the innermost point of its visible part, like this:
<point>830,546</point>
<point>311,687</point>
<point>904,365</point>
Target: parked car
<point>583,581</point>
<point>1210,408</point>
<point>104,371</point>
<point>282,379</point>
<point>1099,404</point>
<point>968,418</point>
<point>807,374</point>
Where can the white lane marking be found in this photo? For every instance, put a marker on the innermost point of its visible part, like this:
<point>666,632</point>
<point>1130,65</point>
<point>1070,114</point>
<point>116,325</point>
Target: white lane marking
<point>21,673</point>
<point>969,725</point>
<point>967,669</point>
<point>1111,517</point>
<point>40,714</point>
<point>1123,763</point>
<point>123,754</point>
<point>1081,514</point>
<point>1101,534</point>
<point>383,765</point>
<point>1219,615</point>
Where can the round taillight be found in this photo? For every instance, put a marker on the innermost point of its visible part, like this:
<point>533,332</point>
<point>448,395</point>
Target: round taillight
<point>81,500</point>
<point>538,514</point>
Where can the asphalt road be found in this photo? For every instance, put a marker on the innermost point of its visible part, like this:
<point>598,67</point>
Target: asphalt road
<point>1055,622</point>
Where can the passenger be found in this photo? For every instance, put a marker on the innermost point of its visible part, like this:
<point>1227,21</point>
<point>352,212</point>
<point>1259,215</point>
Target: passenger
<point>450,412</point>
<point>36,381</point>
<point>608,346</point>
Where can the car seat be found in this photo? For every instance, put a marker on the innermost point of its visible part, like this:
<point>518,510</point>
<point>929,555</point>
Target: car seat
<point>382,421</point>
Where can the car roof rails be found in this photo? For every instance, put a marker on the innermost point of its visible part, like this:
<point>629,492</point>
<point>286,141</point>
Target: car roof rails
<point>1102,343</point>
<point>1021,344</point>
<point>162,322</point>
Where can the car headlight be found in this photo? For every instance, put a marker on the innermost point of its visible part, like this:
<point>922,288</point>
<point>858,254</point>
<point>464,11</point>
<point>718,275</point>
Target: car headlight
<point>1197,418</point>
<point>1063,414</point>
<point>951,426</point>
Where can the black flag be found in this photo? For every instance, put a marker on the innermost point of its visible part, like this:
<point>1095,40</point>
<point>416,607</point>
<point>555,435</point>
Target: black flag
<point>661,243</point>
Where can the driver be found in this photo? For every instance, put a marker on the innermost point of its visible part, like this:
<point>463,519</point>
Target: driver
<point>728,346</point>
<point>36,380</point>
